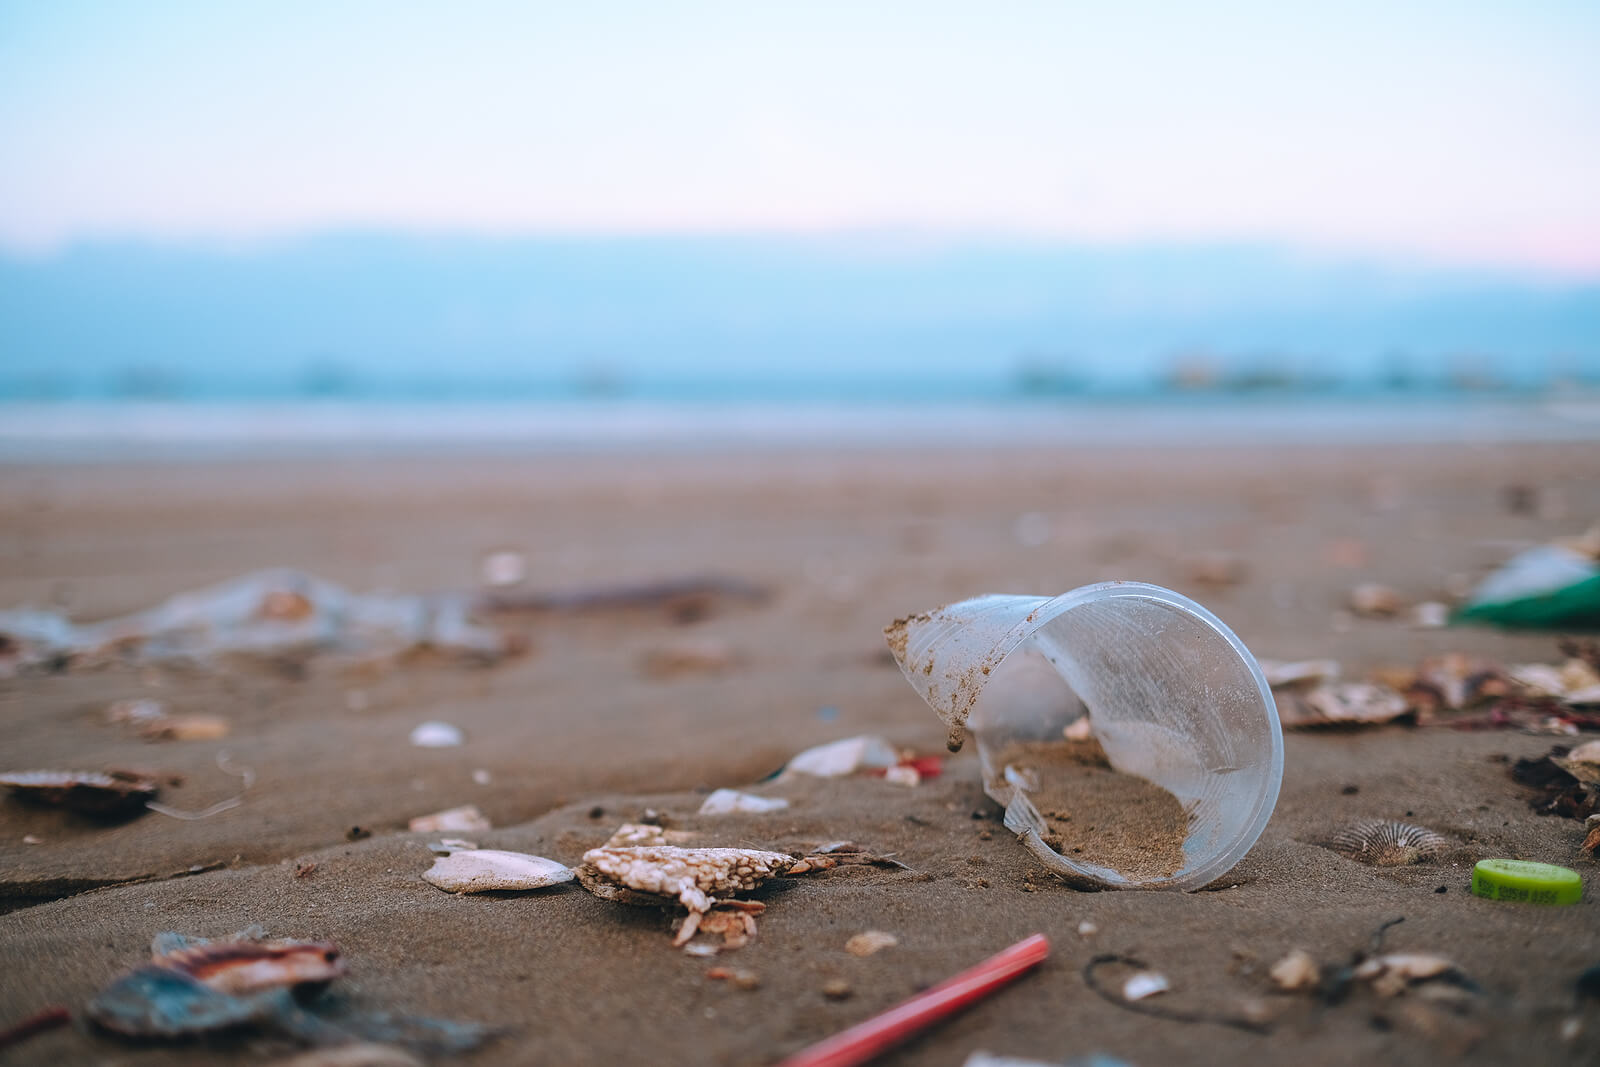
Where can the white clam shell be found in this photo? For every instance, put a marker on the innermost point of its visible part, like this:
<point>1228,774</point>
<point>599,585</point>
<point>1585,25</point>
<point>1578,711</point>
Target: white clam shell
<point>436,735</point>
<point>483,870</point>
<point>730,801</point>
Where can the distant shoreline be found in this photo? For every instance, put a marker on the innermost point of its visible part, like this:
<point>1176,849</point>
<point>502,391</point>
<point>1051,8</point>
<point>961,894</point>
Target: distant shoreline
<point>205,430</point>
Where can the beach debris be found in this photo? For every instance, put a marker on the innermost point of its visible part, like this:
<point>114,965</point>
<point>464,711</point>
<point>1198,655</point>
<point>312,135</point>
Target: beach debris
<point>445,846</point>
<point>105,794</point>
<point>502,567</point>
<point>1552,586</point>
<point>161,1002</point>
<point>1373,600</point>
<point>155,723</point>
<point>483,870</point>
<point>359,1054</point>
<point>1430,615</point>
<point>905,1020</point>
<point>702,655</point>
<point>45,1019</point>
<point>1296,972</point>
<point>683,600</point>
<point>731,801</point>
<point>869,942</point>
<point>1280,673</point>
<point>1079,729</point>
<point>1526,882</point>
<point>734,921</point>
<point>902,774</point>
<point>1215,569</point>
<point>1145,984</point>
<point>1560,790</point>
<point>1088,928</point>
<point>838,989</point>
<point>1591,840</point>
<point>32,839</point>
<point>739,979</point>
<point>466,819</point>
<point>436,735</point>
<point>481,776</point>
<point>696,878</point>
<point>1118,995</point>
<point>1340,704</point>
<point>1395,973</point>
<point>247,778</point>
<point>1386,843</point>
<point>267,614</point>
<point>245,964</point>
<point>633,834</point>
<point>838,758</point>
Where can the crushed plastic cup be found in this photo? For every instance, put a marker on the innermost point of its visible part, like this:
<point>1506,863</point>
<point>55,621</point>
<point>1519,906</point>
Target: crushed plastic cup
<point>1171,694</point>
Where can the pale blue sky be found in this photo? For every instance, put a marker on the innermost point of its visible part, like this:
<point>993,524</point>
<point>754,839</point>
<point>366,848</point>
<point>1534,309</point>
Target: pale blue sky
<point>1465,131</point>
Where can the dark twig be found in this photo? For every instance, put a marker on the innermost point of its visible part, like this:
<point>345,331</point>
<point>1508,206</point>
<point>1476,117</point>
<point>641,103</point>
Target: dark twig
<point>1157,1010</point>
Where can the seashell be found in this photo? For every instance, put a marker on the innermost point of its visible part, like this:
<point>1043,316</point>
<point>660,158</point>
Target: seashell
<point>483,870</point>
<point>1375,601</point>
<point>242,966</point>
<point>633,834</point>
<point>1384,843</point>
<point>730,801</point>
<point>503,567</point>
<point>839,758</point>
<point>137,712</point>
<point>1296,971</point>
<point>445,846</point>
<point>869,942</point>
<point>1392,974</point>
<point>1144,984</point>
<point>360,1054</point>
<point>90,792</point>
<point>161,1002</point>
<point>688,875</point>
<point>1343,704</point>
<point>436,735</point>
<point>1300,672</point>
<point>466,819</point>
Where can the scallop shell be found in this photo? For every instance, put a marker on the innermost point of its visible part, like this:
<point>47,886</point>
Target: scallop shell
<point>90,792</point>
<point>239,967</point>
<point>1385,843</point>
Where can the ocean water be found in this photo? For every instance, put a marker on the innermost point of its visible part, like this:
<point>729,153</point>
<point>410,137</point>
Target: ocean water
<point>202,430</point>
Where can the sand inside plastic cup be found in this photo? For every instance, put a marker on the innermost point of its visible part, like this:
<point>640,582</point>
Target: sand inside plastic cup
<point>1171,694</point>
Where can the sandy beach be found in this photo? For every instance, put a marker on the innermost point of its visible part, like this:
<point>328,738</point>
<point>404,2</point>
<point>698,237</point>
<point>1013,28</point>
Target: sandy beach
<point>577,735</point>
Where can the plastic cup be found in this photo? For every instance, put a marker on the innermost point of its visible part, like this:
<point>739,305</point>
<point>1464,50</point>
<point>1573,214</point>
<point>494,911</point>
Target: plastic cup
<point>1172,695</point>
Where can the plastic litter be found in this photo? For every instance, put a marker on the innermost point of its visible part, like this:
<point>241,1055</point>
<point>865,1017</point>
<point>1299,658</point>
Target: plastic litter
<point>731,801</point>
<point>1554,586</point>
<point>1173,697</point>
<point>839,758</point>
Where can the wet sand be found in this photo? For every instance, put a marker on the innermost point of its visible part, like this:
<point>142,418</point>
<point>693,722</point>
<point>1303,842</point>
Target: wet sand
<point>846,542</point>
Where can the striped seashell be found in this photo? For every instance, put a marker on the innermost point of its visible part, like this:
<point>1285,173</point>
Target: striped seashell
<point>1385,843</point>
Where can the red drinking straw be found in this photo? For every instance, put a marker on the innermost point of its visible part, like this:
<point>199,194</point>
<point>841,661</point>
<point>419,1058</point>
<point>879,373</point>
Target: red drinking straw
<point>867,1039</point>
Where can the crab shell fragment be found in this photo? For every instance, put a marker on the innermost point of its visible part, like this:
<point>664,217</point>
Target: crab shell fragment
<point>106,794</point>
<point>692,877</point>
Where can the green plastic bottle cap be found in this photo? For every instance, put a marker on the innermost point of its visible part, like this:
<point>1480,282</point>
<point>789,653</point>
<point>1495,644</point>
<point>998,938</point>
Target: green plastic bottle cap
<point>1533,883</point>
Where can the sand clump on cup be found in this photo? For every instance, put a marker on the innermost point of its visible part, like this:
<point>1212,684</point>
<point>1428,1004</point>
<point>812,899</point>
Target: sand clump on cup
<point>1095,813</point>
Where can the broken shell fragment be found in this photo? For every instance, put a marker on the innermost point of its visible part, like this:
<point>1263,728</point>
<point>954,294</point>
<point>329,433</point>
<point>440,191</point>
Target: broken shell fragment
<point>1375,601</point>
<point>1384,843</point>
<point>1393,974</point>
<point>731,801</point>
<point>436,735</point>
<point>1340,704</point>
<point>483,870</point>
<point>244,966</point>
<point>111,793</point>
<point>869,942</point>
<point>839,758</point>
<point>156,1001</point>
<point>1296,971</point>
<point>634,834</point>
<point>1144,984</point>
<point>447,845</point>
<point>466,819</point>
<point>707,655</point>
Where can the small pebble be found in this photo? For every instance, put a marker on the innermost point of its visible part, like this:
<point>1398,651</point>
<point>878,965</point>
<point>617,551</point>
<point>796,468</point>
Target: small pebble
<point>837,989</point>
<point>869,942</point>
<point>1087,929</point>
<point>30,839</point>
<point>1144,984</point>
